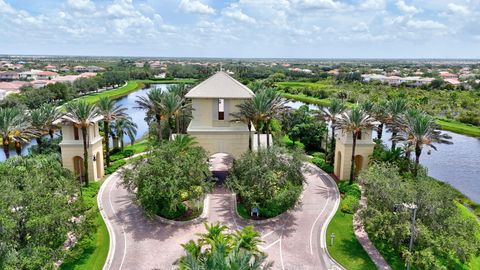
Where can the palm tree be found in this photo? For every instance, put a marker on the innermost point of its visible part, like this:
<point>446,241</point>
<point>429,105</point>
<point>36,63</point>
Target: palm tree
<point>174,107</point>
<point>354,121</point>
<point>184,141</point>
<point>42,120</point>
<point>261,110</point>
<point>395,108</point>
<point>153,105</point>
<point>380,114</point>
<point>12,123</point>
<point>110,112</point>
<point>125,126</point>
<point>244,116</point>
<point>219,250</point>
<point>330,114</point>
<point>419,130</point>
<point>82,115</point>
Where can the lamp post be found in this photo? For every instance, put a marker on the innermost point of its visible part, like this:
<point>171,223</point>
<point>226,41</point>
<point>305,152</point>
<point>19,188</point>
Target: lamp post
<point>413,207</point>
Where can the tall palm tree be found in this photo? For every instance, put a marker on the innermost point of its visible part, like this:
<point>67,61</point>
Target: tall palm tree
<point>261,110</point>
<point>184,141</point>
<point>354,121</point>
<point>153,105</point>
<point>330,114</point>
<point>419,130</point>
<point>42,120</point>
<point>125,126</point>
<point>82,115</point>
<point>174,107</point>
<point>380,114</point>
<point>244,116</point>
<point>12,120</point>
<point>395,108</point>
<point>110,112</point>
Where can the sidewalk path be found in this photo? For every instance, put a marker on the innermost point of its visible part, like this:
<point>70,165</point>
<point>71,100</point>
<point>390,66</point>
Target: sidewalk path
<point>294,241</point>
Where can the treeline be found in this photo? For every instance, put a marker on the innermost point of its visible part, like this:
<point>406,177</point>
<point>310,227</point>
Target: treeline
<point>58,93</point>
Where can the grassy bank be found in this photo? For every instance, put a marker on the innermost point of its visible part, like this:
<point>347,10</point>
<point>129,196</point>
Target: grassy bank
<point>458,127</point>
<point>306,99</point>
<point>128,88</point>
<point>346,249</point>
<point>91,252</point>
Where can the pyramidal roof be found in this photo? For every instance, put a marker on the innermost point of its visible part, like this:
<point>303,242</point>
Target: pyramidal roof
<point>220,85</point>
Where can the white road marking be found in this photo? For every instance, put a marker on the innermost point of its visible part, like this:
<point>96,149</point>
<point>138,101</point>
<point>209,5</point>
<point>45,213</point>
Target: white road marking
<point>269,246</point>
<point>267,234</point>
<point>281,254</point>
<point>316,220</point>
<point>111,249</point>
<point>123,228</point>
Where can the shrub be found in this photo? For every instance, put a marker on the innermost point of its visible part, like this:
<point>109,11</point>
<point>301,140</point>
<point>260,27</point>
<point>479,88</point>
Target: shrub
<point>322,164</point>
<point>268,179</point>
<point>349,204</point>
<point>170,180</point>
<point>114,166</point>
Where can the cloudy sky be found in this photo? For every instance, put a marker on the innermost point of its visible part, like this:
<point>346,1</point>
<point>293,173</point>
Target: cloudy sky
<point>243,28</point>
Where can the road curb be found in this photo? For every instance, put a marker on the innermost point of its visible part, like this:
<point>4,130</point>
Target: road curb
<point>202,218</point>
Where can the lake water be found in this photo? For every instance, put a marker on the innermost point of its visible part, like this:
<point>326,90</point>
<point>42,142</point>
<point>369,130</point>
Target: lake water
<point>457,164</point>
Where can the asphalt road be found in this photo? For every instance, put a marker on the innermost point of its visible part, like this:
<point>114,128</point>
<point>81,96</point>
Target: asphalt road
<point>296,240</point>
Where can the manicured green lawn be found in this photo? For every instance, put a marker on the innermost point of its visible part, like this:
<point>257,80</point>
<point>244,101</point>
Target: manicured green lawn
<point>346,250</point>
<point>306,99</point>
<point>95,250</point>
<point>139,147</point>
<point>458,127</point>
<point>128,88</point>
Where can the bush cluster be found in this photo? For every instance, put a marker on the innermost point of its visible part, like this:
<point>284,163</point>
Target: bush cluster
<point>268,179</point>
<point>170,181</point>
<point>319,161</point>
<point>114,166</point>
<point>351,196</point>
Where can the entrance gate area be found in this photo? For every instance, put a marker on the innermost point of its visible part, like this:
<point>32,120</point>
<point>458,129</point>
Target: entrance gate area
<point>220,164</point>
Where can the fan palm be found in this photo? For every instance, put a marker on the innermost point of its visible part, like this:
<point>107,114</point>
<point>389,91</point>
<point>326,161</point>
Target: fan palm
<point>330,114</point>
<point>82,115</point>
<point>354,121</point>
<point>395,108</point>
<point>110,112</point>
<point>153,105</point>
<point>420,130</point>
<point>12,123</point>
<point>125,126</point>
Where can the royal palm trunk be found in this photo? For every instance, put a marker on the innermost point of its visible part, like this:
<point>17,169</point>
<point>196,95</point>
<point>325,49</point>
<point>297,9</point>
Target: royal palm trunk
<point>18,148</point>
<point>332,144</point>
<point>418,152</point>
<point>85,155</point>
<point>380,131</point>
<point>6,148</point>
<point>249,136</point>
<point>352,166</point>
<point>159,128</point>
<point>106,131</point>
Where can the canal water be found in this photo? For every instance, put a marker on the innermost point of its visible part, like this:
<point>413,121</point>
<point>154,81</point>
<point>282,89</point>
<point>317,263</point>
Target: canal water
<point>457,164</point>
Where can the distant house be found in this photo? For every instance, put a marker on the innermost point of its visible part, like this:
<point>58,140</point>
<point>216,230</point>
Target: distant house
<point>40,83</point>
<point>8,88</point>
<point>94,69</point>
<point>333,72</point>
<point>64,70</point>
<point>51,68</point>
<point>46,75</point>
<point>8,76</point>
<point>80,69</point>
<point>453,82</point>
<point>447,75</point>
<point>396,80</point>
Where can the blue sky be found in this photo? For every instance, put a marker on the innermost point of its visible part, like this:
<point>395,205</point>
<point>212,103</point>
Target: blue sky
<point>243,28</point>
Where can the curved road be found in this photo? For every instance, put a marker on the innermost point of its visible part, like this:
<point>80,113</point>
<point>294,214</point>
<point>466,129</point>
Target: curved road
<point>294,241</point>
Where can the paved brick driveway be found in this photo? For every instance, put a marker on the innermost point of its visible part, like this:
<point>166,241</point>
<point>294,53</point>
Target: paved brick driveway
<point>294,241</point>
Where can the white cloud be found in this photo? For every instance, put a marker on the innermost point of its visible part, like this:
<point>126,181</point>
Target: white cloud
<point>235,12</point>
<point>320,4</point>
<point>5,7</point>
<point>401,5</point>
<point>458,9</point>
<point>372,5</point>
<point>81,4</point>
<point>425,24</point>
<point>195,6</point>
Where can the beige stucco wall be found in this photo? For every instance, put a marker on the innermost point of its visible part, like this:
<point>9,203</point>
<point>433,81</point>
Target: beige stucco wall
<point>233,143</point>
<point>71,148</point>
<point>205,112</point>
<point>343,153</point>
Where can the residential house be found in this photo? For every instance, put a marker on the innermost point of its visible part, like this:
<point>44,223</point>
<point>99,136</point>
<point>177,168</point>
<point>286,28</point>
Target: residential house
<point>8,76</point>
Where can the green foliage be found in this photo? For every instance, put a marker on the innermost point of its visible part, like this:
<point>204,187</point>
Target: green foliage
<point>268,179</point>
<point>170,180</point>
<point>446,239</point>
<point>319,161</point>
<point>37,202</point>
<point>118,154</point>
<point>349,204</point>
<point>114,166</point>
<point>218,249</point>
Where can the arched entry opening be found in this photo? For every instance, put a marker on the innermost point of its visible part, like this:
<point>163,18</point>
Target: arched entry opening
<point>338,169</point>
<point>220,164</point>
<point>358,164</point>
<point>98,164</point>
<point>78,168</point>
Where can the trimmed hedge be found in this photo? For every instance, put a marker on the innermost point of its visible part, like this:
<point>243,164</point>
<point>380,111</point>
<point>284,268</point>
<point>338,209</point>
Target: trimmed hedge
<point>352,195</point>
<point>114,166</point>
<point>319,161</point>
